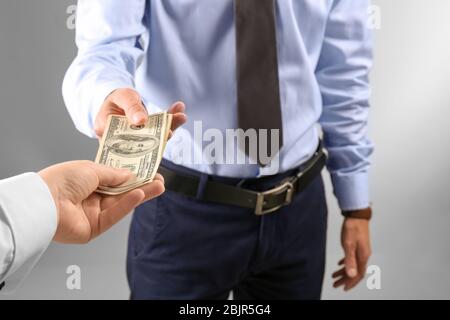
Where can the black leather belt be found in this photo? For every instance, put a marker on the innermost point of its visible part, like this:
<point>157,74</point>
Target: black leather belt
<point>261,202</point>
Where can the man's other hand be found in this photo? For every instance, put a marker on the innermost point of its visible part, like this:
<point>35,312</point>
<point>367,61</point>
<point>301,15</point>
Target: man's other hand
<point>355,240</point>
<point>84,214</point>
<point>127,102</point>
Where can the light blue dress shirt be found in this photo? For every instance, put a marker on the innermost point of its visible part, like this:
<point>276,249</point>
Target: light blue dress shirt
<point>173,50</point>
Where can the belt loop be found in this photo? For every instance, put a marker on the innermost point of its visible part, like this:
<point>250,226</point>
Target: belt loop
<point>202,185</point>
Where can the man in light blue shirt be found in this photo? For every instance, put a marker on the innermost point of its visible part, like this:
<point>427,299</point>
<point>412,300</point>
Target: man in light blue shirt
<point>151,53</point>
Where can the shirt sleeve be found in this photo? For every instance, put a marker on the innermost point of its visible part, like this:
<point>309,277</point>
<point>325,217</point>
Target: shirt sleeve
<point>343,75</point>
<point>109,37</point>
<point>27,225</point>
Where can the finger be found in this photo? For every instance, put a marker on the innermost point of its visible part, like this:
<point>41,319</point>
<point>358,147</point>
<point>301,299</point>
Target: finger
<point>159,177</point>
<point>178,106</point>
<point>362,257</point>
<point>351,267</point>
<point>352,283</point>
<point>110,216</point>
<point>130,101</point>
<point>149,191</point>
<point>116,210</point>
<point>341,262</point>
<point>152,190</point>
<point>178,116</point>
<point>111,177</point>
<point>339,273</point>
<point>340,282</point>
<point>178,120</point>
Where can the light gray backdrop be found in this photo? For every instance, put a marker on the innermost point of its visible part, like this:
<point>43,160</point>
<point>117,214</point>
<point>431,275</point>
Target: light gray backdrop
<point>409,124</point>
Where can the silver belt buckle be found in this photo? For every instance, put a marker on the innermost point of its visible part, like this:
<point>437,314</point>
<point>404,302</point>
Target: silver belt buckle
<point>287,187</point>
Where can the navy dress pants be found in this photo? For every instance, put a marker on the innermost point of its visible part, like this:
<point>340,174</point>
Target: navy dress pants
<point>185,248</point>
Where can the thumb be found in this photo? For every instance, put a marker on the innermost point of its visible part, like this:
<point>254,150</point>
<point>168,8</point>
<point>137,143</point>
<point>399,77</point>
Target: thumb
<point>351,267</point>
<point>130,102</point>
<point>111,177</point>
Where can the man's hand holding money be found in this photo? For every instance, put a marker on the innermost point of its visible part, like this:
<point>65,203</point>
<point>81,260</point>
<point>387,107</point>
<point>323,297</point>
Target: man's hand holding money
<point>127,102</point>
<point>131,139</point>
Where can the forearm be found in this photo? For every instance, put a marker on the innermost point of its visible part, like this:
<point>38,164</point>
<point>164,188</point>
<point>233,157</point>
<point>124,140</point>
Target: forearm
<point>110,47</point>
<point>343,76</point>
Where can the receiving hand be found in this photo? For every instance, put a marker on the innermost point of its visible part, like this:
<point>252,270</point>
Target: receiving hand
<point>84,214</point>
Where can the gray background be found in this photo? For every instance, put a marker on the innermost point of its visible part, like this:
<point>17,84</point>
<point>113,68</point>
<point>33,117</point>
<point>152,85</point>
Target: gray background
<point>409,124</point>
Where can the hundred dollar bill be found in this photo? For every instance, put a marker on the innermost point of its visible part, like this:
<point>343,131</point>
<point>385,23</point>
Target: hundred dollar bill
<point>136,148</point>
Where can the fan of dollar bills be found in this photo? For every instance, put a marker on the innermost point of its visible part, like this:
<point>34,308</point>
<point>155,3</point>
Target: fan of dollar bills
<point>137,148</point>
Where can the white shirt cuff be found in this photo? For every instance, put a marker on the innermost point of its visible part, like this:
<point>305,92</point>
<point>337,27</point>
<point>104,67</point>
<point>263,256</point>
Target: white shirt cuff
<point>30,212</point>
